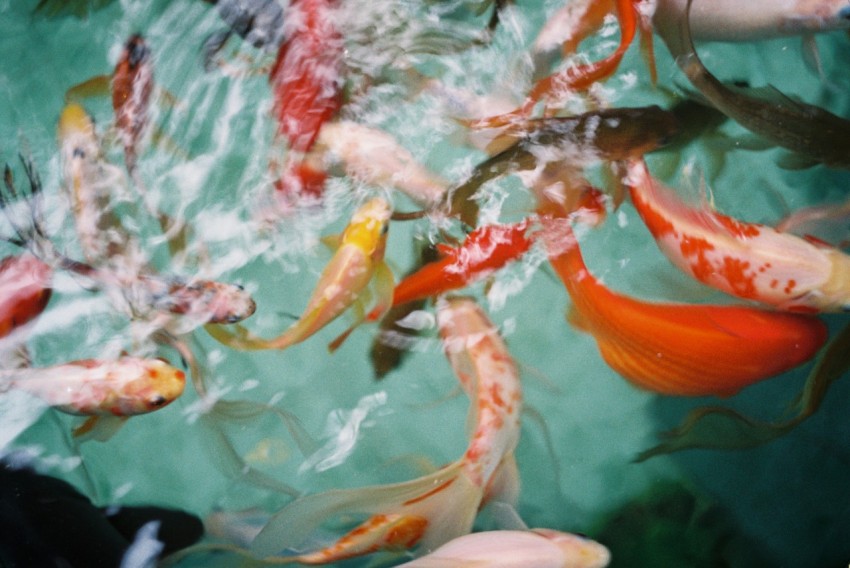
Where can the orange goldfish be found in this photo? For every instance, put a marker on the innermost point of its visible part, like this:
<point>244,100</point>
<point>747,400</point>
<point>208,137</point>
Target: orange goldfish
<point>358,261</point>
<point>580,77</point>
<point>124,387</point>
<point>24,290</point>
<point>747,260</point>
<point>431,510</point>
<point>306,80</point>
<point>678,349</point>
<point>485,250</point>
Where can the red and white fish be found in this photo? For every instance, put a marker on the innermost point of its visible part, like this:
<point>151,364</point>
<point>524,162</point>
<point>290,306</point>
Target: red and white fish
<point>429,511</point>
<point>747,260</point>
<point>306,80</point>
<point>24,290</point>
<point>681,349</point>
<point>540,548</point>
<point>127,386</point>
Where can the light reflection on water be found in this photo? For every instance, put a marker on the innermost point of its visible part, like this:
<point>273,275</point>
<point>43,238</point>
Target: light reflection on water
<point>211,170</point>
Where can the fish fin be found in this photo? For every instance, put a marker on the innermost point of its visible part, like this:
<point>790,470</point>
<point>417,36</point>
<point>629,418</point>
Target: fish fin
<point>359,317</point>
<point>241,338</point>
<point>578,321</point>
<point>504,485</point>
<point>795,162</point>
<point>811,55</point>
<point>98,86</point>
<point>716,427</point>
<point>100,428</point>
<point>647,47</point>
<point>431,510</point>
<point>332,242</point>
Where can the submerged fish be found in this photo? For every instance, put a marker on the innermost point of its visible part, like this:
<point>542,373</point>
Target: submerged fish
<point>259,22</point>
<point>124,387</point>
<point>24,290</point>
<point>808,130</point>
<point>358,262</point>
<point>431,510</point>
<point>306,81</point>
<point>730,20</point>
<point>609,135</point>
<point>679,349</point>
<point>748,260</point>
<point>485,250</point>
<point>540,548</point>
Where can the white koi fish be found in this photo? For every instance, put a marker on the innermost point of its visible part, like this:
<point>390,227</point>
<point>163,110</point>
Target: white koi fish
<point>127,386</point>
<point>747,260</point>
<point>358,261</point>
<point>730,20</point>
<point>432,510</point>
<point>540,548</point>
<point>375,157</point>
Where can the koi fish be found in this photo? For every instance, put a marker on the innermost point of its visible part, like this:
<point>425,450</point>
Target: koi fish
<point>485,250</point>
<point>24,290</point>
<point>259,22</point>
<point>395,337</point>
<point>431,510</point>
<point>609,135</point>
<point>131,85</point>
<point>727,20</point>
<point>306,80</point>
<point>747,260</point>
<point>127,386</point>
<point>376,158</point>
<point>343,283</point>
<point>89,181</point>
<point>679,349</point>
<point>541,548</point>
<point>808,130</point>
<point>577,78</point>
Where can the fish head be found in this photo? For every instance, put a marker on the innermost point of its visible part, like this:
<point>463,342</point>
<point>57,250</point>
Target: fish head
<point>151,385</point>
<point>368,228</point>
<point>631,132</point>
<point>582,552</point>
<point>136,51</point>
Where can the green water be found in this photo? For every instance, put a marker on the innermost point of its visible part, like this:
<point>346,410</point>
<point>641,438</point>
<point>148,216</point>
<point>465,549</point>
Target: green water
<point>784,504</point>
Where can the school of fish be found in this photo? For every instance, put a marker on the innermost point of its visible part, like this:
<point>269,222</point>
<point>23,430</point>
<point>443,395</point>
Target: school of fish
<point>777,283</point>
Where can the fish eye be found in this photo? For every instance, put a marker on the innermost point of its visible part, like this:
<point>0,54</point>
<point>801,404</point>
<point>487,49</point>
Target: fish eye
<point>79,153</point>
<point>385,229</point>
<point>157,401</point>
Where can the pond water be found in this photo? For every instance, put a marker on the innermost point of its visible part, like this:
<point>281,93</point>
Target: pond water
<point>781,504</point>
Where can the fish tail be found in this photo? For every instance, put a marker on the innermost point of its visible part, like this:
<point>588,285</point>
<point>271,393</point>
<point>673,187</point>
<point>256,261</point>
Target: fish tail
<point>425,512</point>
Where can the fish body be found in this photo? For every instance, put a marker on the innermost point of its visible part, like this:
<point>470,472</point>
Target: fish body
<point>431,510</point>
<point>127,386</point>
<point>541,548</point>
<point>808,130</point>
<point>747,260</point>
<point>356,262</point>
<point>206,301</point>
<point>132,85</point>
<point>24,290</point>
<point>485,250</point>
<point>679,349</point>
<point>608,134</point>
<point>729,20</point>
<point>306,81</point>
<point>89,183</point>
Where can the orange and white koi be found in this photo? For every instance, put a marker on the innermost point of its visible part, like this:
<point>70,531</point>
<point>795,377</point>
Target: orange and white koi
<point>540,548</point>
<point>434,509</point>
<point>728,20</point>
<point>747,260</point>
<point>358,261</point>
<point>680,349</point>
<point>24,290</point>
<point>127,386</point>
<point>306,80</point>
<point>485,250</point>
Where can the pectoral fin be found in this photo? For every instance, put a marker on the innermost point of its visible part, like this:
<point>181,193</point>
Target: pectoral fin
<point>100,428</point>
<point>98,86</point>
